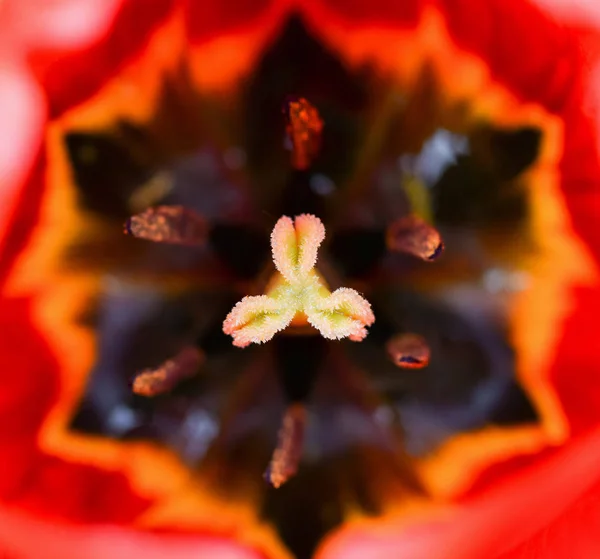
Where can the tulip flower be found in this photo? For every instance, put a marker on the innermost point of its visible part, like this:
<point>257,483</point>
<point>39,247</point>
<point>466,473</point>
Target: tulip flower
<point>299,278</point>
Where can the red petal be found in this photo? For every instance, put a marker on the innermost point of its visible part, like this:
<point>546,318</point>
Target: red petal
<point>25,536</point>
<point>575,533</point>
<point>493,522</point>
<point>536,66</point>
<point>29,379</point>
<point>69,77</point>
<point>66,24</point>
<point>28,388</point>
<point>22,115</point>
<point>22,213</point>
<point>576,372</point>
<point>554,84</point>
<point>208,20</point>
<point>579,12</point>
<point>358,13</point>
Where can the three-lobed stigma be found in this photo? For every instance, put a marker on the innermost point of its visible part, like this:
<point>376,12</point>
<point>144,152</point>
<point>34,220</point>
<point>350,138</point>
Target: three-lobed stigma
<point>297,293</point>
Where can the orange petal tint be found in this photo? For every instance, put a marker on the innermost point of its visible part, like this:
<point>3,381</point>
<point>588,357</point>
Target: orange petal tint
<point>168,224</point>
<point>344,314</point>
<point>304,127</point>
<point>286,457</point>
<point>408,351</point>
<point>256,320</point>
<point>295,246</point>
<point>157,381</point>
<point>414,236</point>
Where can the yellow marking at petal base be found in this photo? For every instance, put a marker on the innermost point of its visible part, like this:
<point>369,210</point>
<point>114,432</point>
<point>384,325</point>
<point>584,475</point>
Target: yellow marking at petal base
<point>560,260</point>
<point>134,92</point>
<point>563,262</point>
<point>445,477</point>
<point>61,296</point>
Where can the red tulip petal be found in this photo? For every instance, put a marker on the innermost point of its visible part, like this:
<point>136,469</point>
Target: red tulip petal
<point>207,20</point>
<point>60,39</point>
<point>545,75</point>
<point>29,380</point>
<point>579,12</point>
<point>22,114</point>
<point>22,404</point>
<point>24,536</point>
<point>494,521</point>
<point>65,24</point>
<point>357,13</point>
<point>575,533</point>
<point>65,90</point>
<point>77,67</point>
<point>576,371</point>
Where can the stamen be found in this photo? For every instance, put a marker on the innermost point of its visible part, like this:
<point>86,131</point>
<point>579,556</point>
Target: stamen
<point>408,351</point>
<point>298,293</point>
<point>286,457</point>
<point>168,224</point>
<point>163,378</point>
<point>304,127</point>
<point>415,236</point>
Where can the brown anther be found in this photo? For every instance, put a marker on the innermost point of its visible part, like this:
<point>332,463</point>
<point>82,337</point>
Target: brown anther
<point>304,127</point>
<point>163,378</point>
<point>286,457</point>
<point>415,236</point>
<point>168,224</point>
<point>408,351</point>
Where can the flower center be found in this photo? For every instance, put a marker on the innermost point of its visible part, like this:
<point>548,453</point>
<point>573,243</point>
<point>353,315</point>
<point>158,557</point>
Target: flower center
<point>296,293</point>
<point>379,166</point>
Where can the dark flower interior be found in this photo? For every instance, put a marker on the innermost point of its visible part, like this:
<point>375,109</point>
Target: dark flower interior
<point>385,153</point>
